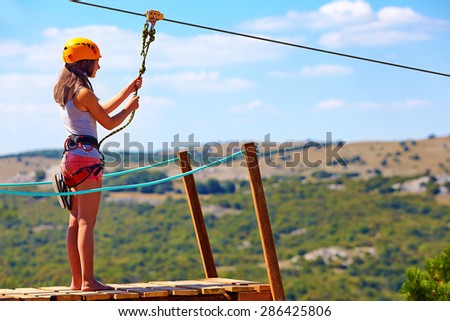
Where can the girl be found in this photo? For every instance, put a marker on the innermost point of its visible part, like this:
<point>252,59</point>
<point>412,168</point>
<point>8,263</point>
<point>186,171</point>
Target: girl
<point>82,164</point>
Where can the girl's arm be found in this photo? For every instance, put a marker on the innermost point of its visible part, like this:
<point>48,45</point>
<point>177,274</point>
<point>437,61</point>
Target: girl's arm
<point>87,101</point>
<point>115,102</point>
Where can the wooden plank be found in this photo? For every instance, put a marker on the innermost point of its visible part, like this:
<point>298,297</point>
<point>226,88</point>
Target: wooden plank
<point>92,296</point>
<point>28,290</point>
<point>230,281</point>
<point>29,294</point>
<point>8,295</point>
<point>28,297</point>
<point>173,290</point>
<point>44,293</point>
<point>141,291</point>
<point>144,290</point>
<point>262,287</point>
<point>78,294</point>
<point>56,288</point>
<point>263,219</point>
<point>198,220</point>
<point>121,295</point>
<point>234,285</point>
<point>231,286</point>
<point>203,288</point>
<point>254,296</point>
<point>8,298</point>
<point>6,291</point>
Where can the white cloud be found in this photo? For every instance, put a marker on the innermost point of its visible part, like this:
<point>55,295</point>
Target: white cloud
<point>375,38</point>
<point>330,104</point>
<point>343,12</point>
<point>367,105</point>
<point>282,74</point>
<point>409,104</point>
<point>210,50</point>
<point>346,23</point>
<point>333,14</point>
<point>394,16</point>
<point>12,49</point>
<point>338,104</point>
<point>17,88</point>
<point>200,81</point>
<point>252,107</point>
<point>121,49</point>
<point>323,70</point>
<point>118,47</point>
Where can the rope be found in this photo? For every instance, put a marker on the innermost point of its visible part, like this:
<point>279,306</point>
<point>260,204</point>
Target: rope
<point>148,36</point>
<point>277,41</point>
<point>121,187</point>
<point>134,170</point>
<point>125,172</point>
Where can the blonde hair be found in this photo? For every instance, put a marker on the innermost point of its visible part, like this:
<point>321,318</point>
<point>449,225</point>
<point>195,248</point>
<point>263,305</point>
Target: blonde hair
<point>72,77</point>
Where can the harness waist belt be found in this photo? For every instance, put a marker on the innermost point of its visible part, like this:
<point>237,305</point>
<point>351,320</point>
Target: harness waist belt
<point>82,139</point>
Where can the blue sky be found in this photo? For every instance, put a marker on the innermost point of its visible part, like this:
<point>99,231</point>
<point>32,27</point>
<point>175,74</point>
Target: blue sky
<point>226,88</point>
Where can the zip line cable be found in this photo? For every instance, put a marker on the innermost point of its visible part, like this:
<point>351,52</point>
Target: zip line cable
<point>273,41</point>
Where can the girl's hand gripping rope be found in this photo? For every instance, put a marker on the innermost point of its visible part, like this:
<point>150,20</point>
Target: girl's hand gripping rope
<point>134,85</point>
<point>133,103</point>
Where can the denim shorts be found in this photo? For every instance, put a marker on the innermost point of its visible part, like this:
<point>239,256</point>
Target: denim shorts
<point>77,169</point>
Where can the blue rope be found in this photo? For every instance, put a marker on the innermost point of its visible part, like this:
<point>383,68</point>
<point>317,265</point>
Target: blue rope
<point>125,172</point>
<point>113,188</point>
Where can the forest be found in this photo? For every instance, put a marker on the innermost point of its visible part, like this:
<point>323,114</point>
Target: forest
<point>337,238</point>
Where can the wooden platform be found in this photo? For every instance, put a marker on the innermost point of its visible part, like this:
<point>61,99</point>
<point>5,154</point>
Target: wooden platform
<point>211,289</point>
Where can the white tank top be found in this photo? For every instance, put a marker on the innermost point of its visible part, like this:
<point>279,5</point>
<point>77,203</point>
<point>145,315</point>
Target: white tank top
<point>79,122</point>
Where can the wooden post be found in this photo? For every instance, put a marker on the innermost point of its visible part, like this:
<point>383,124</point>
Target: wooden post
<point>262,216</point>
<point>197,217</point>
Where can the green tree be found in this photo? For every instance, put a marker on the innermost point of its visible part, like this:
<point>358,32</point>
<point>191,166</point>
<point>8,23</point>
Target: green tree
<point>433,284</point>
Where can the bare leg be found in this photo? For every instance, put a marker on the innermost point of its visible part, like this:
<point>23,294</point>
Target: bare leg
<point>72,246</point>
<point>86,207</point>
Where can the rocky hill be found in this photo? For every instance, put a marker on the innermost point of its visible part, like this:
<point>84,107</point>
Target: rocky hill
<point>312,159</point>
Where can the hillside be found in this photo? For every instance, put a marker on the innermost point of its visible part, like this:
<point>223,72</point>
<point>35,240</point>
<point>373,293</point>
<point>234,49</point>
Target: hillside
<point>342,233</point>
<point>364,159</point>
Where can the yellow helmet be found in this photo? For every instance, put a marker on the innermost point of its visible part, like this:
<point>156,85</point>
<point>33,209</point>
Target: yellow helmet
<point>77,49</point>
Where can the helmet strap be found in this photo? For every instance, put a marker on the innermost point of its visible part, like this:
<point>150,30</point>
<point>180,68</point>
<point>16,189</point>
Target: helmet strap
<point>80,74</point>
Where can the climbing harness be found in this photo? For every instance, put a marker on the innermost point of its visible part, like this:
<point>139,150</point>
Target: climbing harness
<point>79,141</point>
<point>63,183</point>
<point>148,36</point>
